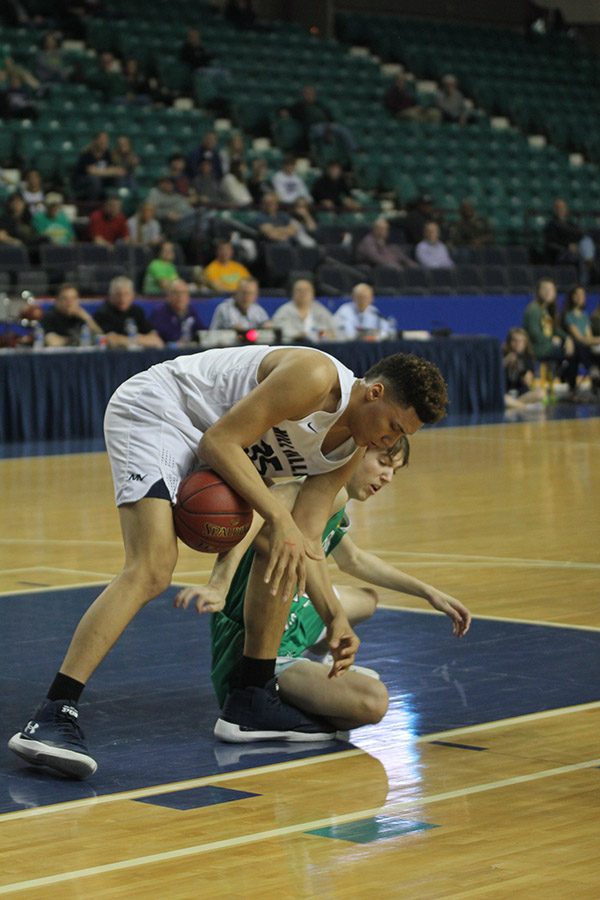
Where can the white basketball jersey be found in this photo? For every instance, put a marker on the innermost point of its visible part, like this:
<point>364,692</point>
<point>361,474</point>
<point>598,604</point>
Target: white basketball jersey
<point>208,384</point>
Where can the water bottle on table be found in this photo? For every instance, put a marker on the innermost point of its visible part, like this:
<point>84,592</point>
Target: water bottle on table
<point>85,335</point>
<point>38,336</point>
<point>187,330</point>
<point>131,331</point>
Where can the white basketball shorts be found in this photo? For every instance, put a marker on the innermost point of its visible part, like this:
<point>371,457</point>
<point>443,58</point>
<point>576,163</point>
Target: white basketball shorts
<point>148,437</point>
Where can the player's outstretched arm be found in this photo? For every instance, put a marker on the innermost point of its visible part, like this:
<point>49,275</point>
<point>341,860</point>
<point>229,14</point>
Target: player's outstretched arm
<point>368,567</point>
<point>210,597</point>
<point>290,390</point>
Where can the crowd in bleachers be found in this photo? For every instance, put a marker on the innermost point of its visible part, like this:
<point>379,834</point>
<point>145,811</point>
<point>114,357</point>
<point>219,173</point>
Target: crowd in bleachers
<point>139,145</point>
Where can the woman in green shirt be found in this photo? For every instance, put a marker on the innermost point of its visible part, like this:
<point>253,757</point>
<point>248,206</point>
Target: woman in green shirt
<point>161,271</point>
<point>576,323</point>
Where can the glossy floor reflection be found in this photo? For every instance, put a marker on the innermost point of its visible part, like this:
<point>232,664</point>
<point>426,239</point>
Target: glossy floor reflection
<point>149,712</point>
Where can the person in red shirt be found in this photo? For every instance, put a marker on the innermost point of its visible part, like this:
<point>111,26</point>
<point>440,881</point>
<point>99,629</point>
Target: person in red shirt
<point>108,224</point>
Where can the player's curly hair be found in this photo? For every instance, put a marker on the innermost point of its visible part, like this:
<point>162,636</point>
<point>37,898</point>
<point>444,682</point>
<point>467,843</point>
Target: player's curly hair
<point>413,381</point>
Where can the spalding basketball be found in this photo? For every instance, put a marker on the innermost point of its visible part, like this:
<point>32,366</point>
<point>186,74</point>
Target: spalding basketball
<point>209,515</point>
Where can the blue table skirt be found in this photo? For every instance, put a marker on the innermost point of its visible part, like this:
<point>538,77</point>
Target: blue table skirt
<point>53,395</point>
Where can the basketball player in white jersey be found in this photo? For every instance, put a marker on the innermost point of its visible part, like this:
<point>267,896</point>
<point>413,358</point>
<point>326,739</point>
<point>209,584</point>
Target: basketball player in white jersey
<point>250,414</point>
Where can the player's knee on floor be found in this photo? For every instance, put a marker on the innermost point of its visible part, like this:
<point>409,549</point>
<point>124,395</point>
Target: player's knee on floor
<point>372,599</point>
<point>373,702</point>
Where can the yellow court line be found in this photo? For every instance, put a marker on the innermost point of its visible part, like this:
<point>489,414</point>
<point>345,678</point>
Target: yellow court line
<point>542,622</point>
<point>257,837</point>
<point>173,786</point>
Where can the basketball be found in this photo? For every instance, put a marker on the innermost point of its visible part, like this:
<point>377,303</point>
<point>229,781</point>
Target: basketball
<point>209,515</point>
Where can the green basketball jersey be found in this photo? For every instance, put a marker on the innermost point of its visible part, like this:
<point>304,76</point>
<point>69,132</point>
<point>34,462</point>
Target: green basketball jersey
<point>303,627</point>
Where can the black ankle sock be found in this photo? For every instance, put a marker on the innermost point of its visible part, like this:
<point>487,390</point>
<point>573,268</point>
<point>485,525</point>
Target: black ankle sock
<point>65,688</point>
<point>255,672</point>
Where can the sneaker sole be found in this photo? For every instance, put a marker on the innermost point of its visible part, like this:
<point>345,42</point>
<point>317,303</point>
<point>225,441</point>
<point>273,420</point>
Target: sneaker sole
<point>233,734</point>
<point>67,762</point>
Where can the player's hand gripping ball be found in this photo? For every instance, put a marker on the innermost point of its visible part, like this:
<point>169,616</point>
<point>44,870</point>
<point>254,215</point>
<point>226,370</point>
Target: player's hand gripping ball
<point>209,515</point>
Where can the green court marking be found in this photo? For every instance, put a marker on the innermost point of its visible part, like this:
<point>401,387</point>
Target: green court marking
<point>377,828</point>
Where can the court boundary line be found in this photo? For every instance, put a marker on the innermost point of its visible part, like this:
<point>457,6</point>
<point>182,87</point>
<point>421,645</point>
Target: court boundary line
<point>344,754</point>
<point>540,622</point>
<point>174,786</point>
<point>393,608</point>
<point>284,831</point>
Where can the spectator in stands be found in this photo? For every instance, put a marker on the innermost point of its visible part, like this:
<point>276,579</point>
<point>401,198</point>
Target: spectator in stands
<point>307,226</point>
<point>288,185</point>
<point>316,119</point>
<point>193,52</point>
<point>241,311</point>
<point>95,172</point>
<point>208,148</point>
<point>206,186</point>
<point>375,250</point>
<point>431,252</point>
<point>258,183</point>
<point>401,102</point>
<point>176,321</point>
<point>330,146</point>
<point>16,225</point>
<point>63,323</point>
<point>595,321</point>
<point>174,212</point>
<point>108,78</point>
<point>549,341</point>
<point>519,371</point>
<point>9,67</point>
<point>420,211</point>
<point>161,271</point>
<point>124,157</point>
<point>472,229</point>
<point>109,224</point>
<point>144,228</point>
<point>332,191</point>
<point>234,190</point>
<point>359,319</point>
<point>49,62</point>
<point>273,224</point>
<point>566,243</point>
<point>124,322</point>
<point>234,152</point>
<point>576,323</point>
<point>138,88</point>
<point>16,101</point>
<point>451,102</point>
<point>178,175</point>
<point>224,273</point>
<point>32,191</point>
<point>53,223</point>
<point>303,318</point>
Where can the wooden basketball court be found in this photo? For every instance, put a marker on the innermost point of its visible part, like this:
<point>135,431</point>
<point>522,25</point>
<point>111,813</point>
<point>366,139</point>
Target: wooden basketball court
<point>506,518</point>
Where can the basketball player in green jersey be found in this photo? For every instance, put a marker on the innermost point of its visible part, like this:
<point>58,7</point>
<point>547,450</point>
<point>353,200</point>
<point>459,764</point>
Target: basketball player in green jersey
<point>358,698</point>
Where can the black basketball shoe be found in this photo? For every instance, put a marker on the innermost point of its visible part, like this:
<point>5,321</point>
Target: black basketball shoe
<point>54,739</point>
<point>258,714</point>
